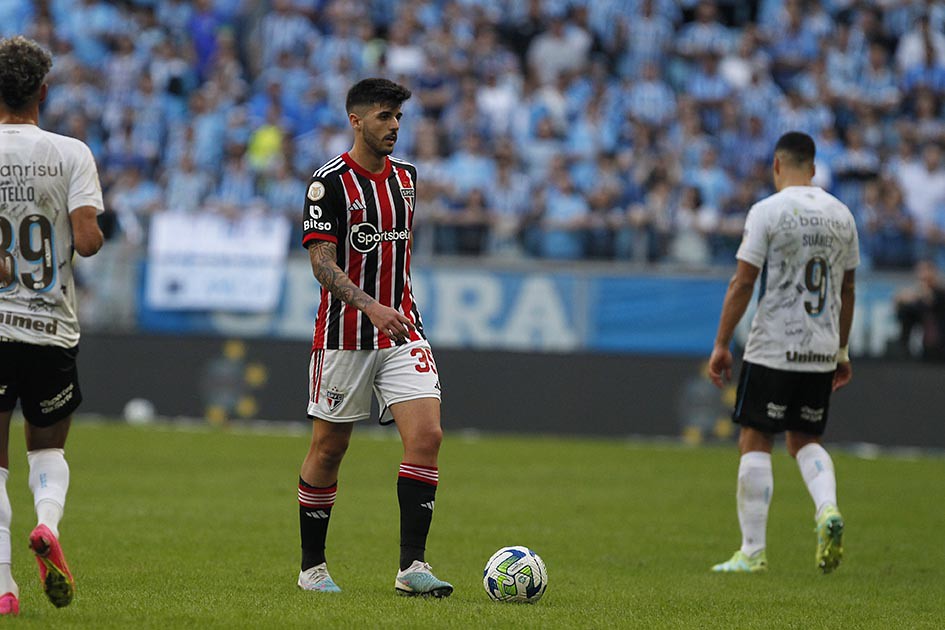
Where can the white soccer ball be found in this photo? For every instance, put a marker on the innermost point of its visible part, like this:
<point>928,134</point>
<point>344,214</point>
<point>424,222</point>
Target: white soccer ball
<point>515,574</point>
<point>139,411</point>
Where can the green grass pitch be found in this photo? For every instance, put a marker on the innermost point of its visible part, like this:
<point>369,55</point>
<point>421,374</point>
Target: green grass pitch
<point>169,528</point>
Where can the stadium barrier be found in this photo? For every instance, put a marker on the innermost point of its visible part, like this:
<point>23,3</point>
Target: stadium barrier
<point>580,393</point>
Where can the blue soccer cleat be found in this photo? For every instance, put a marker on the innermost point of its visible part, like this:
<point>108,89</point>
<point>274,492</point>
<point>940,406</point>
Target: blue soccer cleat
<point>317,579</point>
<point>418,579</point>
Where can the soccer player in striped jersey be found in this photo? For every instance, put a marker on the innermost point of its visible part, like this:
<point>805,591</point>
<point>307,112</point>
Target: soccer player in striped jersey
<point>805,239</point>
<point>50,198</point>
<point>368,335</point>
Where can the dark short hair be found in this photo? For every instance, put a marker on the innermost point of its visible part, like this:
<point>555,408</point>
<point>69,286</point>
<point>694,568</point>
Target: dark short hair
<point>24,65</point>
<point>375,91</point>
<point>797,147</point>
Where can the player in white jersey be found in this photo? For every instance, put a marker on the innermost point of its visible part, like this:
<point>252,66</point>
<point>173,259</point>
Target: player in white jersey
<point>50,198</point>
<point>803,242</point>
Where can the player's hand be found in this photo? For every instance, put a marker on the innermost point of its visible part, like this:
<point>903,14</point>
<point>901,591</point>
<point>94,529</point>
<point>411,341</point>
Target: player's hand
<point>843,375</point>
<point>720,366</point>
<point>393,324</point>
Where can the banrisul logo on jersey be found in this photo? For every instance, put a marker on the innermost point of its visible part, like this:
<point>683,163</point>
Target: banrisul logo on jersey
<point>364,237</point>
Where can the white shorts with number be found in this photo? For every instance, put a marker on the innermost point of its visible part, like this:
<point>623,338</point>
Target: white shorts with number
<point>341,381</point>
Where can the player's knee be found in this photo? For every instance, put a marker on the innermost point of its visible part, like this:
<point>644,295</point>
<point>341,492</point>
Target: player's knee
<point>428,442</point>
<point>753,440</point>
<point>793,447</point>
<point>794,442</point>
<point>330,454</point>
<point>330,458</point>
<point>436,437</point>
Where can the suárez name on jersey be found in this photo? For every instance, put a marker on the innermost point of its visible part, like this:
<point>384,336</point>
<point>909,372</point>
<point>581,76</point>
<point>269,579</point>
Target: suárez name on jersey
<point>817,240</point>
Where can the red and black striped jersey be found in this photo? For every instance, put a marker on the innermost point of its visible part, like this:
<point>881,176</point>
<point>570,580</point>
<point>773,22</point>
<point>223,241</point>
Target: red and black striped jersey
<point>370,217</point>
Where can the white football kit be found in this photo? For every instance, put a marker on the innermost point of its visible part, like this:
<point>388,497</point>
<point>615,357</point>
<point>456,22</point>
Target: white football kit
<point>804,239</point>
<point>43,178</point>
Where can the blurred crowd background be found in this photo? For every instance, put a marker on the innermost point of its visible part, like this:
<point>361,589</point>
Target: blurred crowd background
<point>637,130</point>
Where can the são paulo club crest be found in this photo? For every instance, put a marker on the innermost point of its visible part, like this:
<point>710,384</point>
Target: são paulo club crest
<point>334,397</point>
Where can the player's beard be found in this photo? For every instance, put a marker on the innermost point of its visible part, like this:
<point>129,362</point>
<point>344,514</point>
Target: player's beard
<point>378,144</point>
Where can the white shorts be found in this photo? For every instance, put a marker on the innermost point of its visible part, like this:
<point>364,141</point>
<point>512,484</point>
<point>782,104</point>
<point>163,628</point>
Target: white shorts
<point>341,381</point>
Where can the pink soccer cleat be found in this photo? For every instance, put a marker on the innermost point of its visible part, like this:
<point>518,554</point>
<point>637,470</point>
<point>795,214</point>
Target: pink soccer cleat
<point>53,570</point>
<point>9,605</point>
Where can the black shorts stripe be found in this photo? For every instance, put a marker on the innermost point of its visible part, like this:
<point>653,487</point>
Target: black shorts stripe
<point>740,392</point>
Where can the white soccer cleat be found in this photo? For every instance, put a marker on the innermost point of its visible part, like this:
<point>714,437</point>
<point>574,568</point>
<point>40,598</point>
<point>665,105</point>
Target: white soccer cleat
<point>317,579</point>
<point>418,579</point>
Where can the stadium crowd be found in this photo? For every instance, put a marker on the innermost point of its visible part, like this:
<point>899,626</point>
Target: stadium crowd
<point>615,129</point>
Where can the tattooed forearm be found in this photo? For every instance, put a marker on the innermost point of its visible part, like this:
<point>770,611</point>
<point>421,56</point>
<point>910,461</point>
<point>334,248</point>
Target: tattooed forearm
<point>323,255</point>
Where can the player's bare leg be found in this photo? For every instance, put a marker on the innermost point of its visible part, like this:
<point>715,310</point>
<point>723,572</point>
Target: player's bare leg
<point>753,495</point>
<point>327,449</point>
<point>5,418</point>
<point>419,424</point>
<point>817,470</point>
<point>49,481</point>
<point>318,485</point>
<point>9,592</point>
<point>750,440</point>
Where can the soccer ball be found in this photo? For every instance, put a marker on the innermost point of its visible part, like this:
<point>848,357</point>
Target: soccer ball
<point>515,574</point>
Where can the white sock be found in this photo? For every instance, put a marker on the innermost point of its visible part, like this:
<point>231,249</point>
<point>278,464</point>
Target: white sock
<point>49,481</point>
<point>7,584</point>
<point>817,470</point>
<point>755,485</point>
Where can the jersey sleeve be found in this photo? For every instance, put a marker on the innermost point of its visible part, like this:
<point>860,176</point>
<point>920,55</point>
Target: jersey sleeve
<point>754,247</point>
<point>323,211</point>
<point>853,255</point>
<point>84,186</point>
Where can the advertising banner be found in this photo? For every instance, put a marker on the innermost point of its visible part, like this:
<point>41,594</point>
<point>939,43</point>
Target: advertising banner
<point>209,262</point>
<point>535,309</point>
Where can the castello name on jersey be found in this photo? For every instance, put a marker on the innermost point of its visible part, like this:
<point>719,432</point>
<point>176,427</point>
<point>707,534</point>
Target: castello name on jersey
<point>31,170</point>
<point>11,194</point>
<point>809,357</point>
